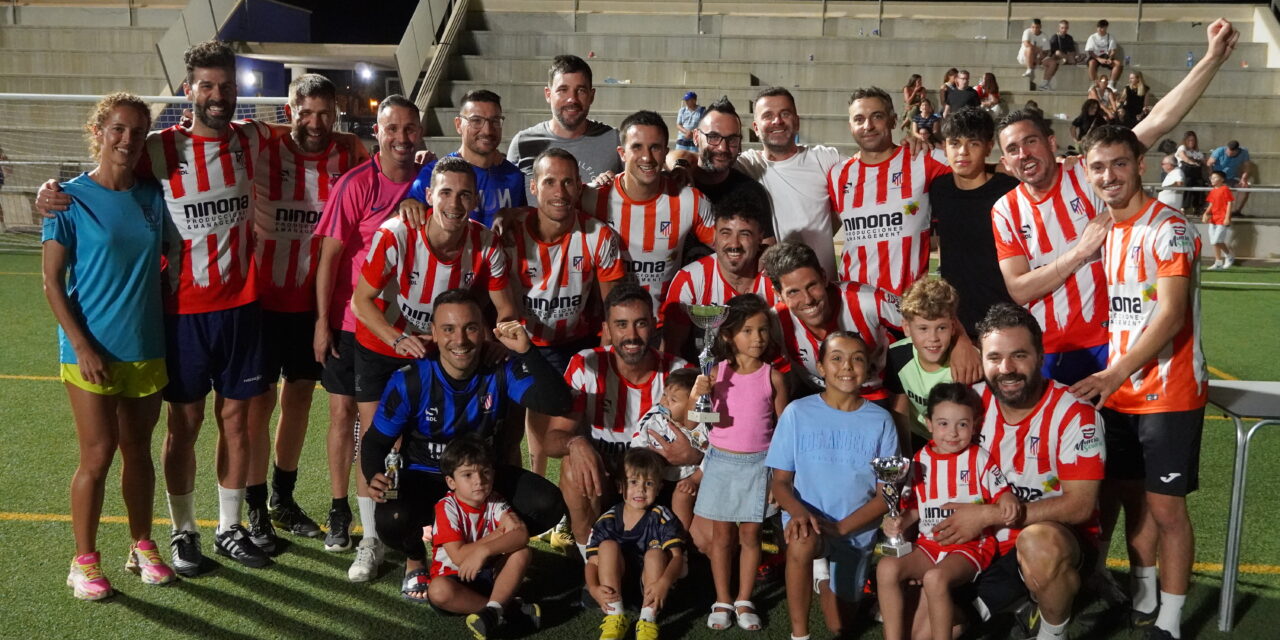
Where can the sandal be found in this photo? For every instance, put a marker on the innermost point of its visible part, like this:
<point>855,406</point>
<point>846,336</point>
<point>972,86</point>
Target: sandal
<point>414,587</point>
<point>747,620</point>
<point>721,617</point>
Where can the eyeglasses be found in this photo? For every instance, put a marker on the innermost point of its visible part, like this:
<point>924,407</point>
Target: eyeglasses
<point>476,122</point>
<point>715,139</point>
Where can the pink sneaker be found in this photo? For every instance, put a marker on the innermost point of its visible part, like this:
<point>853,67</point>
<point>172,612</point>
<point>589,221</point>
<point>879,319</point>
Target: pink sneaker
<point>87,579</point>
<point>144,560</point>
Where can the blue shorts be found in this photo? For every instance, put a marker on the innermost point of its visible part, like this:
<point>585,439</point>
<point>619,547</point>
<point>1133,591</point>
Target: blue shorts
<point>1070,367</point>
<point>218,350</point>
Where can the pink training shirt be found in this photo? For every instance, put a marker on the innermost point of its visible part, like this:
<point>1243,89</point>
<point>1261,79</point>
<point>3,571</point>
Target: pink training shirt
<point>363,199</point>
<point>745,404</point>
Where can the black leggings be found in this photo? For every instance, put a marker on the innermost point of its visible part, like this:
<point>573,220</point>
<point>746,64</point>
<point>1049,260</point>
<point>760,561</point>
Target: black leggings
<point>533,498</point>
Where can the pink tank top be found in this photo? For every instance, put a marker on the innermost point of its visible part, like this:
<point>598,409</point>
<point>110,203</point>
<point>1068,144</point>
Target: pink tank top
<point>745,404</point>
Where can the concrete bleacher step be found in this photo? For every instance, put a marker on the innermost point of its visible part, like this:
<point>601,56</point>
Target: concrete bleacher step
<point>80,63</point>
<point>95,84</point>
<point>90,39</point>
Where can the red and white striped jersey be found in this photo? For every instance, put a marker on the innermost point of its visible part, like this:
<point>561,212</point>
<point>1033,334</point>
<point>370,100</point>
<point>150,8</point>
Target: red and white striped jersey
<point>651,234</point>
<point>457,521</point>
<point>208,187</point>
<point>885,217</point>
<point>701,282</point>
<point>1157,242</point>
<point>611,405</point>
<point>555,281</point>
<point>861,308</point>
<point>969,476</point>
<point>1060,440</point>
<point>292,187</point>
<point>401,266</point>
<point>1075,315</point>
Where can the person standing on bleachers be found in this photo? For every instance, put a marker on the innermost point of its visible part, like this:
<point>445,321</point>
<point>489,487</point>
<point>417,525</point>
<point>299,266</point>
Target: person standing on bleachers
<point>687,119</point>
<point>570,93</point>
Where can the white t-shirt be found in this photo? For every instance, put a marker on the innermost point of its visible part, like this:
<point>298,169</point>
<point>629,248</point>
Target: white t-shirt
<point>801,204</point>
<point>1041,41</point>
<point>1170,197</point>
<point>1099,44</point>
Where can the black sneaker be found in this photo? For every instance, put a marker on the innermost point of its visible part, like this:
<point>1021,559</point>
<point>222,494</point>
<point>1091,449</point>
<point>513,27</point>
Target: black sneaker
<point>261,533</point>
<point>1156,633</point>
<point>1027,618</point>
<point>291,518</point>
<point>483,624</point>
<point>532,614</point>
<point>235,544</point>
<point>339,536</point>
<point>184,547</point>
<point>1139,620</point>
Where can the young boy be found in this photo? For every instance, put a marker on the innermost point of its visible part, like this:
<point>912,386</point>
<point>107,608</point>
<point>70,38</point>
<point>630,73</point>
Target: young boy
<point>1218,217</point>
<point>635,538</point>
<point>479,546</point>
<point>821,459</point>
<point>663,419</point>
<point>922,359</point>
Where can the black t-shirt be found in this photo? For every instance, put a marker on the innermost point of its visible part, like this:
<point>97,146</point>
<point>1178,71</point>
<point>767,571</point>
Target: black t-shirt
<point>967,244</point>
<point>1085,123</point>
<point>958,99</point>
<point>739,180</point>
<point>1062,42</point>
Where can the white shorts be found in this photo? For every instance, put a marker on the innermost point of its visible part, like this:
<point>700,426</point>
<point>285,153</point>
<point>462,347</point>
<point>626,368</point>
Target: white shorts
<point>1022,57</point>
<point>1219,234</point>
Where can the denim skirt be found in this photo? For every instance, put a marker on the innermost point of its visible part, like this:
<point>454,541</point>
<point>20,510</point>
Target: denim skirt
<point>734,487</point>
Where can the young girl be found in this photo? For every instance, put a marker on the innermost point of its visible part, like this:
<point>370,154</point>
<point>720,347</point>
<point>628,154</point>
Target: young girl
<point>749,395</point>
<point>951,468</point>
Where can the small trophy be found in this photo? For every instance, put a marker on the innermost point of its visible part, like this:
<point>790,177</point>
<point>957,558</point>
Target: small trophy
<point>892,471</point>
<point>394,462</point>
<point>709,317</point>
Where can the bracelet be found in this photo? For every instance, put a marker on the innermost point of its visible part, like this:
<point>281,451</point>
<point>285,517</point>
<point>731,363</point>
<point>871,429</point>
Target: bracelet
<point>574,439</point>
<point>398,340</point>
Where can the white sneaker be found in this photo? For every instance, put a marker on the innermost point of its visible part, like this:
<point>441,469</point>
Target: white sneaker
<point>1028,73</point>
<point>368,558</point>
<point>1231,261</point>
<point>1045,86</point>
<point>1217,266</point>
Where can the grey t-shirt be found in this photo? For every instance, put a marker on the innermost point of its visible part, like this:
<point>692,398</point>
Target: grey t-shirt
<point>596,150</point>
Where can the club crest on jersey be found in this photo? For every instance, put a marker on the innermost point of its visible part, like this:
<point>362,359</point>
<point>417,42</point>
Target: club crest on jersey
<point>1077,207</point>
<point>576,263</point>
<point>284,174</point>
<point>1033,446</point>
<point>467,278</point>
<point>964,475</point>
<point>896,179</point>
<point>664,229</point>
<point>238,158</point>
<point>487,402</point>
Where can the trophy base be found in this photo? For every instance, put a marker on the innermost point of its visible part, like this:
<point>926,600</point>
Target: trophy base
<point>893,549</point>
<point>391,494</point>
<point>704,417</point>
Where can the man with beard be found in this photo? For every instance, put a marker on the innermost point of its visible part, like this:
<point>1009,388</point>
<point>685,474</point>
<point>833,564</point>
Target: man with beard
<point>1156,384</point>
<point>561,260</point>
<point>1049,445</point>
<point>455,392</point>
<point>794,175</point>
<point>298,176</point>
<point>570,94</point>
<point>734,268</point>
<point>652,222</point>
<point>809,308</point>
<point>614,387</point>
<point>500,183</point>
<point>1049,232</point>
<point>719,142</point>
<point>394,298</point>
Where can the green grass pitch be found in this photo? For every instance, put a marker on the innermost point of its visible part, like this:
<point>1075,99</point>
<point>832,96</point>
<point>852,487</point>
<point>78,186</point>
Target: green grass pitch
<point>306,595</point>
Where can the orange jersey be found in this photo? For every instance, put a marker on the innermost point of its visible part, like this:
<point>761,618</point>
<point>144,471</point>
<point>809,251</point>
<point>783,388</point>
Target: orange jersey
<point>1219,199</point>
<point>1156,243</point>
<point>1074,316</point>
<point>651,233</point>
<point>555,281</point>
<point>701,282</point>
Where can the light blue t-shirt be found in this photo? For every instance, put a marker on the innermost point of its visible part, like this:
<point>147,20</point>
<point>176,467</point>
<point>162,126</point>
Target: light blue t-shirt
<point>113,266</point>
<point>830,452</point>
<point>1228,165</point>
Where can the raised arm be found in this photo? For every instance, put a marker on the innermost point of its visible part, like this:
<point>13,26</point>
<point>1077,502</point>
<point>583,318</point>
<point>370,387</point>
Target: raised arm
<point>1167,113</point>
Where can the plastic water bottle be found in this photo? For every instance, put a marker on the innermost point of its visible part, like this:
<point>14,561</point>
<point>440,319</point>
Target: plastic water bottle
<point>1191,59</point>
<point>1128,60</point>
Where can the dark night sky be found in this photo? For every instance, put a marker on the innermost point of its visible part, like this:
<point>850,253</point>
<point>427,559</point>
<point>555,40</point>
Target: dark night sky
<point>344,21</point>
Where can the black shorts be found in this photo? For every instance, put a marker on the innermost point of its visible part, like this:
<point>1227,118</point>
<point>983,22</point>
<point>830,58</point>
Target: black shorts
<point>1162,448</point>
<point>339,376</point>
<point>287,346</point>
<point>1001,585</point>
<point>218,350</point>
<point>373,370</point>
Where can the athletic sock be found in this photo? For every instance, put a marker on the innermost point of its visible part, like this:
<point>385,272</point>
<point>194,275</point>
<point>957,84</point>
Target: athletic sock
<point>255,495</point>
<point>1144,584</point>
<point>649,614</point>
<point>282,484</point>
<point>340,504</point>
<point>1052,631</point>
<point>494,604</point>
<point>182,511</point>
<point>582,548</point>
<point>1170,616</point>
<point>230,502</point>
<point>612,608</point>
<point>366,506</point>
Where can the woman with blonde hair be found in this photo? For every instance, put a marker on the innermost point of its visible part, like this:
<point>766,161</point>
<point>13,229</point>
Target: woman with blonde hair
<point>101,270</point>
<point>1134,99</point>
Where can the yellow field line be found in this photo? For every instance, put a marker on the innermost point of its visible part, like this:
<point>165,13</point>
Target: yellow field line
<point>1208,567</point>
<point>1221,374</point>
<point>5,376</point>
<point>59,517</point>
<point>19,273</point>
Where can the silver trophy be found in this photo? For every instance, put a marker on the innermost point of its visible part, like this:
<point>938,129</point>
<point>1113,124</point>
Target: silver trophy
<point>709,317</point>
<point>394,463</point>
<point>892,471</point>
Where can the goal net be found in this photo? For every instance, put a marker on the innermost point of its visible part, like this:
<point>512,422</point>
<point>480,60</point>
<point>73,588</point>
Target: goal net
<point>42,136</point>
